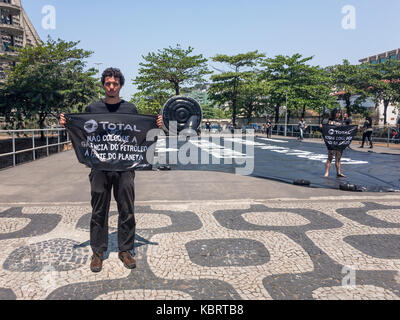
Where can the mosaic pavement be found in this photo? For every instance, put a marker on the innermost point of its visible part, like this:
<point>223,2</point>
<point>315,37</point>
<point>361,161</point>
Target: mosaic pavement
<point>344,248</point>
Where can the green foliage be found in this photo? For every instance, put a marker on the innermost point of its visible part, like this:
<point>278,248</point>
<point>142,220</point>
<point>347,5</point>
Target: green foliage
<point>384,83</point>
<point>225,89</point>
<point>150,105</point>
<point>47,80</point>
<point>253,97</point>
<point>212,112</point>
<point>169,69</point>
<point>295,83</point>
<point>348,81</point>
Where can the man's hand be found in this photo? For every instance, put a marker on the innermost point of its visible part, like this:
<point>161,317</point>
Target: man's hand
<point>63,121</point>
<point>159,121</point>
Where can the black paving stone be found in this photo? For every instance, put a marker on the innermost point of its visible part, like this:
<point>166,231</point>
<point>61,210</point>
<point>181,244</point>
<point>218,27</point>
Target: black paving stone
<point>361,216</point>
<point>381,246</point>
<point>35,257</point>
<point>227,252</point>
<point>7,294</point>
<point>39,224</point>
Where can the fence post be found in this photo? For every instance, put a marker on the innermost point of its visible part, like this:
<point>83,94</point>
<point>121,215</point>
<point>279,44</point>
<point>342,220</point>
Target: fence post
<point>388,137</point>
<point>13,147</point>
<point>47,142</point>
<point>58,140</point>
<point>33,145</point>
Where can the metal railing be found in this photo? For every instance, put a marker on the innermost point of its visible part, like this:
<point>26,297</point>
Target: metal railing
<point>33,132</point>
<point>383,134</point>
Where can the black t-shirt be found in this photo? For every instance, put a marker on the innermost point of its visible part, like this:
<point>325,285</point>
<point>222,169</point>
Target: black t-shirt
<point>121,107</point>
<point>367,126</point>
<point>348,121</point>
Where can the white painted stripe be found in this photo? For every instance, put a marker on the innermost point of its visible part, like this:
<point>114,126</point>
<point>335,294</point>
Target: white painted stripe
<point>274,140</point>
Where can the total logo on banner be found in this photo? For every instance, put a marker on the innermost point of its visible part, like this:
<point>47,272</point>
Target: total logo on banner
<point>333,132</point>
<point>91,126</point>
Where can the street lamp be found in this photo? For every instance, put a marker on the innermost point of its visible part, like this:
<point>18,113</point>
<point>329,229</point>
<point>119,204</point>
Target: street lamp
<point>98,64</point>
<point>98,69</point>
<point>285,108</point>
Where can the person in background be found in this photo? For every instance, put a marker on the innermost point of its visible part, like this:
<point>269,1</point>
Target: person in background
<point>347,120</point>
<point>302,126</point>
<point>208,126</point>
<point>269,128</point>
<point>367,132</point>
<point>255,126</point>
<point>334,120</point>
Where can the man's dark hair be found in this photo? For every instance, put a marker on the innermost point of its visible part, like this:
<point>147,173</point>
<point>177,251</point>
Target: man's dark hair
<point>113,72</point>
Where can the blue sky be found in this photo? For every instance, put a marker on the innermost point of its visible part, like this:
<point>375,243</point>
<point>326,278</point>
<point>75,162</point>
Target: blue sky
<point>120,32</point>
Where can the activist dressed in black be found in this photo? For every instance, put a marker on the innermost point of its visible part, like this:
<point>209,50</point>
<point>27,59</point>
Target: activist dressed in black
<point>334,120</point>
<point>121,107</point>
<point>123,185</point>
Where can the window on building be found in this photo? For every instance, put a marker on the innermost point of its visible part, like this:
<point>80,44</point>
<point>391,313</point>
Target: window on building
<point>6,46</point>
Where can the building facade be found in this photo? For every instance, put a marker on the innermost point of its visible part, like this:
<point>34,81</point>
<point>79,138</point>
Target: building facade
<point>382,57</point>
<point>16,30</point>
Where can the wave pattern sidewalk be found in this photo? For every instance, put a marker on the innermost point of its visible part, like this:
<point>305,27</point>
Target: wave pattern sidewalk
<point>276,249</point>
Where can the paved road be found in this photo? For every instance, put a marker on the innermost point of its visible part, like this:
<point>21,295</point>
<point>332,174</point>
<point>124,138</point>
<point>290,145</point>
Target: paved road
<point>200,235</point>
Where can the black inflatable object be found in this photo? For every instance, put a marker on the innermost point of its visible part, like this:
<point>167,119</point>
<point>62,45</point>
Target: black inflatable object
<point>164,168</point>
<point>301,182</point>
<point>350,187</point>
<point>185,111</point>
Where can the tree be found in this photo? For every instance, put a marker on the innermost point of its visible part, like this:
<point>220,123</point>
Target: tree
<point>212,112</point>
<point>150,105</point>
<point>253,97</point>
<point>384,83</point>
<point>47,80</point>
<point>349,81</point>
<point>170,68</point>
<point>296,84</point>
<point>225,87</point>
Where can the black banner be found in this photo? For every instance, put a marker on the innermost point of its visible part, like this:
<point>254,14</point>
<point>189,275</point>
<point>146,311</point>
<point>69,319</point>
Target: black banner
<point>338,137</point>
<point>111,141</point>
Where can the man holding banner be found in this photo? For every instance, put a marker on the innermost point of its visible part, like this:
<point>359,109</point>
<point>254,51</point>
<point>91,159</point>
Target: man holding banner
<point>110,137</point>
<point>337,137</point>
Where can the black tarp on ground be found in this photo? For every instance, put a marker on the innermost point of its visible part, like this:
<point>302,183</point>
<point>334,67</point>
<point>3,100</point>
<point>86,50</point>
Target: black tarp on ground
<point>290,160</point>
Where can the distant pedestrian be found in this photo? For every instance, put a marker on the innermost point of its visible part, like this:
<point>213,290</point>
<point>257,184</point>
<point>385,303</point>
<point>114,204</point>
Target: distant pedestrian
<point>367,132</point>
<point>269,128</point>
<point>208,126</point>
<point>302,126</point>
<point>334,120</point>
<point>347,120</point>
